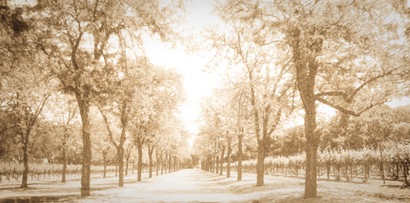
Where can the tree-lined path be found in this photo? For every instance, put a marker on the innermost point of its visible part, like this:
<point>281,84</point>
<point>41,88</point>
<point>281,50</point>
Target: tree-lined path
<point>290,100</point>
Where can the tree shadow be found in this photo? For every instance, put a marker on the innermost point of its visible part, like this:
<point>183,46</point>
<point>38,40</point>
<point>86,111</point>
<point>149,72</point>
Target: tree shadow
<point>60,198</point>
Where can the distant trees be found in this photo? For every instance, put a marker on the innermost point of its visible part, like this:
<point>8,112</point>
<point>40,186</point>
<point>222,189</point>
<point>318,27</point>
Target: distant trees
<point>265,80</point>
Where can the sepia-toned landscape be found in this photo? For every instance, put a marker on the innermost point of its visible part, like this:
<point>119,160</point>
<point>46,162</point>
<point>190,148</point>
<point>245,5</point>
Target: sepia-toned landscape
<point>204,101</point>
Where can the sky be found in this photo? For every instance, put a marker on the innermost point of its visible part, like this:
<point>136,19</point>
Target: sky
<point>198,82</point>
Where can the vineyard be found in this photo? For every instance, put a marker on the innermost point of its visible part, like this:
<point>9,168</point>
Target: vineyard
<point>392,162</point>
<point>13,171</point>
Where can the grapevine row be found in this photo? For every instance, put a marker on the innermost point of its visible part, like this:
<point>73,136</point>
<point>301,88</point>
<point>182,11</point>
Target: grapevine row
<point>396,158</point>
<point>10,168</point>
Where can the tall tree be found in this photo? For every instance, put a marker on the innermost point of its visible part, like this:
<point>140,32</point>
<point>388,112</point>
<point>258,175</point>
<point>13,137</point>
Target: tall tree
<point>21,74</point>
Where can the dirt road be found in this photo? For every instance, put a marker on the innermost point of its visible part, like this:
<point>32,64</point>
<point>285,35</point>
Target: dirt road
<point>190,185</point>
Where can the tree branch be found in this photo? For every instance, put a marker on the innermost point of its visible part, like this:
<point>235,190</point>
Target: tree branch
<point>276,122</point>
<point>332,93</point>
<point>110,134</point>
<point>355,91</point>
<point>347,111</point>
<point>39,109</point>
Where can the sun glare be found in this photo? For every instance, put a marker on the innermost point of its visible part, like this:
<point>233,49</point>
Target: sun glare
<point>190,64</point>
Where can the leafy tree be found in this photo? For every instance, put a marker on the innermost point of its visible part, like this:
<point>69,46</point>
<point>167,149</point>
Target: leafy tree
<point>64,111</point>
<point>103,147</point>
<point>293,142</point>
<point>14,47</point>
<point>118,102</point>
<point>159,96</point>
<point>25,92</point>
<point>128,151</point>
<point>25,85</point>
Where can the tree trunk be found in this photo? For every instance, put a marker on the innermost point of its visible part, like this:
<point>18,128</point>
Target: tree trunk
<point>212,165</point>
<point>162,163</point>
<point>311,141</point>
<point>260,166</point>
<point>405,172</point>
<point>64,172</point>
<point>124,123</point>
<point>157,163</point>
<point>217,165</point>
<point>221,161</point>
<point>240,136</point>
<point>306,70</point>
<point>84,106</point>
<point>382,164</point>
<point>116,167</point>
<point>175,163</point>
<point>127,159</point>
<point>120,165</point>
<point>169,163</point>
<point>24,179</point>
<point>150,151</point>
<point>396,175</point>
<point>261,155</point>
<point>105,163</point>
<point>139,165</point>
<point>228,159</point>
<point>328,171</point>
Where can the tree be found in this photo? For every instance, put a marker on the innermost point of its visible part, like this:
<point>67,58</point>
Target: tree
<point>334,61</point>
<point>128,151</point>
<point>28,115</point>
<point>25,94</point>
<point>293,142</point>
<point>242,115</point>
<point>64,118</point>
<point>165,97</point>
<point>118,102</point>
<point>159,96</point>
<point>21,72</point>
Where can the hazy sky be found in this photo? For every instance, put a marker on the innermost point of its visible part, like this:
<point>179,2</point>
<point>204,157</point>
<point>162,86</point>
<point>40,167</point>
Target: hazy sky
<point>198,82</point>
